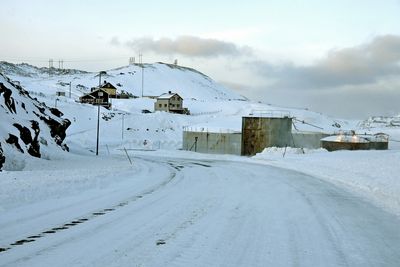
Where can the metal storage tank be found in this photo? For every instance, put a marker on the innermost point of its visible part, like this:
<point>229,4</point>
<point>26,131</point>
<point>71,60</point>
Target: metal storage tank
<point>261,132</point>
<point>355,142</point>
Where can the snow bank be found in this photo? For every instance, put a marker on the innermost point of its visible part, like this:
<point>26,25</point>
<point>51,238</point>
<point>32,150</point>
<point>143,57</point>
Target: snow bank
<point>372,174</point>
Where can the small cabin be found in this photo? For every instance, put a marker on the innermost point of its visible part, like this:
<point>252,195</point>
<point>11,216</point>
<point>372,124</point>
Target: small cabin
<point>170,102</point>
<point>96,97</point>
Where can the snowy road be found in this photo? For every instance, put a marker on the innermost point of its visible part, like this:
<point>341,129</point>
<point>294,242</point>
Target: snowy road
<point>203,213</point>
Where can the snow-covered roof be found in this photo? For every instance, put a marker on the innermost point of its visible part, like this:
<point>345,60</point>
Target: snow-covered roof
<point>168,95</point>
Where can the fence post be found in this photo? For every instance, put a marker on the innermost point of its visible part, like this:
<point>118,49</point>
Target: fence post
<point>127,155</point>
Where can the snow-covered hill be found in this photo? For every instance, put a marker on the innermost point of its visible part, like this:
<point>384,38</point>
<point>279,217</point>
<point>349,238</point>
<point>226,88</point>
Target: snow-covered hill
<point>212,106</point>
<point>158,78</point>
<point>28,127</point>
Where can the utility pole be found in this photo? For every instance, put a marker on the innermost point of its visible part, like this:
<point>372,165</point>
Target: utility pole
<point>123,114</point>
<point>100,73</point>
<point>70,89</point>
<point>141,63</point>
<point>98,128</point>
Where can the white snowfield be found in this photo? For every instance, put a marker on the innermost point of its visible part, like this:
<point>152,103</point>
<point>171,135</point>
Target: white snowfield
<point>179,208</point>
<point>172,211</point>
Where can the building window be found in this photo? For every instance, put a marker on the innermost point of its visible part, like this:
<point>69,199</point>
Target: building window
<point>178,106</point>
<point>173,105</point>
<point>160,105</point>
<point>165,105</point>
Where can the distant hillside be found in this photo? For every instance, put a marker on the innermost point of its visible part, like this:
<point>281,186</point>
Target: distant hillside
<point>28,127</point>
<point>158,78</point>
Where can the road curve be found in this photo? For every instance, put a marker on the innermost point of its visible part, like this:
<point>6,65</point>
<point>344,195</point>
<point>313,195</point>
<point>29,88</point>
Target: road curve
<point>226,214</point>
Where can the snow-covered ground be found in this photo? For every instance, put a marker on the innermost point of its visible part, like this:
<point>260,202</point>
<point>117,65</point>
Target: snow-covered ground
<point>372,174</point>
<point>179,208</point>
<point>186,209</point>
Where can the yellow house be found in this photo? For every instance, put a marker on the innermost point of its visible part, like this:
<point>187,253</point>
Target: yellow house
<point>170,102</point>
<point>110,89</point>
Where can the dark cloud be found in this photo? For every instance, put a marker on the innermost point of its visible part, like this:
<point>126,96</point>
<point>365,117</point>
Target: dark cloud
<point>359,65</point>
<point>188,46</point>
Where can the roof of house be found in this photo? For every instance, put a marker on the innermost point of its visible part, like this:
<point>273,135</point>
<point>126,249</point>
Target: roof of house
<point>168,96</point>
<point>91,93</point>
<point>107,85</point>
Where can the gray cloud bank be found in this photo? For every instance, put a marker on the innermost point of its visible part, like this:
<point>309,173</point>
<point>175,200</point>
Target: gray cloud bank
<point>359,65</point>
<point>190,46</point>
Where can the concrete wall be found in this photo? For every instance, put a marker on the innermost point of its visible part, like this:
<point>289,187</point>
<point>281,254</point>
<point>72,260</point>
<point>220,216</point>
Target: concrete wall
<point>307,139</point>
<point>261,132</point>
<point>212,143</point>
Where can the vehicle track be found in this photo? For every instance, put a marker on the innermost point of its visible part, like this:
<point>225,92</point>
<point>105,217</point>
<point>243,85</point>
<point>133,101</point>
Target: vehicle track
<point>92,215</point>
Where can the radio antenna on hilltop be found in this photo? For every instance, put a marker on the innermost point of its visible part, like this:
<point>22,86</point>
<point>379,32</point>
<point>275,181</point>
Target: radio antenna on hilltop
<point>131,60</point>
<point>50,65</point>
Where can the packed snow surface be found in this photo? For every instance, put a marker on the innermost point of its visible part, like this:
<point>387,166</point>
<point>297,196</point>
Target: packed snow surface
<point>187,210</point>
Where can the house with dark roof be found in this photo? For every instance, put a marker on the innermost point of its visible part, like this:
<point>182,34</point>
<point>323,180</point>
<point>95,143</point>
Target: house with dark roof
<point>96,97</point>
<point>109,88</point>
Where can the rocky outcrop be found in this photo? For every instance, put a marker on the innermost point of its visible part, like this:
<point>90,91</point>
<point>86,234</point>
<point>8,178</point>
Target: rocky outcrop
<point>2,157</point>
<point>13,140</point>
<point>8,100</point>
<point>27,123</point>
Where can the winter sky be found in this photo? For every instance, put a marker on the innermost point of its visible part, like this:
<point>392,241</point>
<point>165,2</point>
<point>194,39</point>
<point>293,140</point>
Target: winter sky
<point>338,57</point>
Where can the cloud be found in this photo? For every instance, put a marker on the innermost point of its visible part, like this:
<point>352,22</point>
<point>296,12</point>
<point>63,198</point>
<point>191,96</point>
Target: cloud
<point>359,65</point>
<point>190,46</point>
<point>115,41</point>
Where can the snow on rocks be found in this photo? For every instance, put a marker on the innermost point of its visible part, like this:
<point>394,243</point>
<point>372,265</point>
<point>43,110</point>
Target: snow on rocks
<point>26,124</point>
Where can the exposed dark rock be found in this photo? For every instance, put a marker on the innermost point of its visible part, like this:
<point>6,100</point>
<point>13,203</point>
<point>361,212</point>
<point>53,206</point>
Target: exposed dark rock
<point>24,133</point>
<point>56,112</point>
<point>23,106</point>
<point>57,129</point>
<point>41,109</point>
<point>65,147</point>
<point>34,149</point>
<point>8,99</point>
<point>2,157</point>
<point>13,140</point>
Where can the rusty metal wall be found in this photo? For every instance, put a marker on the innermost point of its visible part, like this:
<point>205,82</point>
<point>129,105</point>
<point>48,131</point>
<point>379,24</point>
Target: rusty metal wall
<point>261,132</point>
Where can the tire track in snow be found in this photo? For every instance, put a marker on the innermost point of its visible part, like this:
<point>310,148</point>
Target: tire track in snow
<point>92,215</point>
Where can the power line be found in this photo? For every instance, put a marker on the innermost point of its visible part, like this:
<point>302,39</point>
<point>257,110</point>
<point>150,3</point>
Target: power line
<point>65,60</point>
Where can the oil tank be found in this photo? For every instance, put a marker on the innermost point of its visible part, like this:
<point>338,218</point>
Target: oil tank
<point>261,132</point>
